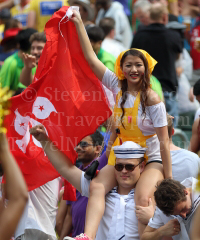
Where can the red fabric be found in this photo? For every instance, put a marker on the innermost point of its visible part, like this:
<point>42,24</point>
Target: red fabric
<point>76,104</point>
<point>194,53</point>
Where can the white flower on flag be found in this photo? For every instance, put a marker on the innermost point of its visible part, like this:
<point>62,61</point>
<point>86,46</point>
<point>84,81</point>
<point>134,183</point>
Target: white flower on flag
<point>42,108</point>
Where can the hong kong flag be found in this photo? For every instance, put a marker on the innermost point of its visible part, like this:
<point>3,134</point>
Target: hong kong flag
<point>66,97</point>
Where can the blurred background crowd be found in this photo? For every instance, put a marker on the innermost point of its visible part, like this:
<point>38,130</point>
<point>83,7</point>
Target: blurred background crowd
<point>169,30</point>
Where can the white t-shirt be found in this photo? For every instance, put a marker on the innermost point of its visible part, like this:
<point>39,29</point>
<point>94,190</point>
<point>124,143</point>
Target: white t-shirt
<point>159,219</point>
<point>112,46</point>
<point>123,31</point>
<point>185,164</point>
<point>119,217</point>
<point>155,116</point>
<point>41,209</point>
<point>197,114</point>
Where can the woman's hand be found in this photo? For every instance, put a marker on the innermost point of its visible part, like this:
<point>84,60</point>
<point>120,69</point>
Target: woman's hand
<point>39,133</point>
<point>76,17</point>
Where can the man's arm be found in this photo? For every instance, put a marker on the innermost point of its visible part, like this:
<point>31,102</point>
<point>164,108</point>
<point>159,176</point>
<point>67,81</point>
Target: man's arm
<point>59,160</point>
<point>173,7</point>
<point>26,76</point>
<point>7,4</point>
<point>60,217</point>
<point>170,229</point>
<point>67,224</point>
<point>15,190</point>
<point>194,141</point>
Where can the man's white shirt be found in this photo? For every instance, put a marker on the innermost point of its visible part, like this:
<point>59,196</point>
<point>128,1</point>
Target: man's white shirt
<point>159,219</point>
<point>119,221</point>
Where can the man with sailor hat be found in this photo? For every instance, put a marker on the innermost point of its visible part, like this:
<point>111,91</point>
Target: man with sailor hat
<point>119,220</point>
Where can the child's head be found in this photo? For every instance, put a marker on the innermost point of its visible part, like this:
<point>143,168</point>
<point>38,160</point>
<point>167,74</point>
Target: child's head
<point>96,36</point>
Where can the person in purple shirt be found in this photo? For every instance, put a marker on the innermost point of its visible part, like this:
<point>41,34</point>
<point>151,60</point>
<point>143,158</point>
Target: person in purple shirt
<point>88,150</point>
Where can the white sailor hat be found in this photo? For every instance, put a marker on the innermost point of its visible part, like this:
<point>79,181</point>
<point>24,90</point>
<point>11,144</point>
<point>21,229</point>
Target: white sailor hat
<point>129,149</point>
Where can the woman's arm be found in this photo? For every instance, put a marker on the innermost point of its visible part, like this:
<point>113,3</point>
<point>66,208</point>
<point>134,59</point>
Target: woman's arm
<point>96,65</point>
<point>195,233</point>
<point>162,133</point>
<point>59,160</point>
<point>15,190</point>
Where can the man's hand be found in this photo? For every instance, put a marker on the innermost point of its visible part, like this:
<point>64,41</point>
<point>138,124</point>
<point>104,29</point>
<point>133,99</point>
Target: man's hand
<point>171,229</point>
<point>39,133</point>
<point>29,61</point>
<point>143,214</point>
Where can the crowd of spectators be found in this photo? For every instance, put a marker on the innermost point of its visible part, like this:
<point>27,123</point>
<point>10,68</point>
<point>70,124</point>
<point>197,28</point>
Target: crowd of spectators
<point>169,30</point>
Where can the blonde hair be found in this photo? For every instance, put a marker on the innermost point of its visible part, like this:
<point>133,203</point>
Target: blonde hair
<point>157,11</point>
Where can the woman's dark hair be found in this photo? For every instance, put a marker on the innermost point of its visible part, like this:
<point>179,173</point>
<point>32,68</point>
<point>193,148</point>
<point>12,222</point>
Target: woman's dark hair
<point>145,83</point>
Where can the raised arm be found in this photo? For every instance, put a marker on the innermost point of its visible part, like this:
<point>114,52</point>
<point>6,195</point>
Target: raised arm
<point>7,4</point>
<point>97,66</point>
<point>59,160</point>
<point>15,189</point>
<point>26,76</point>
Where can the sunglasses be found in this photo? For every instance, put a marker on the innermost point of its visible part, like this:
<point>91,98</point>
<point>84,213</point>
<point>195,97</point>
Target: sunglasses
<point>84,144</point>
<point>129,167</point>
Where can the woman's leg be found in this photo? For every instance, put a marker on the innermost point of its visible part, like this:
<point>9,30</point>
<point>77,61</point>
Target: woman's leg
<point>99,187</point>
<point>146,186</point>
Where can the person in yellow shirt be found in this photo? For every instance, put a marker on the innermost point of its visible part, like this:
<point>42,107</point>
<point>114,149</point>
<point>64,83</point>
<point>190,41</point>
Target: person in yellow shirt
<point>42,10</point>
<point>20,11</point>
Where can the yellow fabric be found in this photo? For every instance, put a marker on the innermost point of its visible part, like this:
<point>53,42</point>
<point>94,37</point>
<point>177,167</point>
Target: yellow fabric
<point>118,71</point>
<point>131,132</point>
<point>43,17</point>
<point>20,13</point>
<point>2,26</point>
<point>172,1</point>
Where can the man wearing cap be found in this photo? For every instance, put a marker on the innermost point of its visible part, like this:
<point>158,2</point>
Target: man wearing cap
<point>119,219</point>
<point>85,9</point>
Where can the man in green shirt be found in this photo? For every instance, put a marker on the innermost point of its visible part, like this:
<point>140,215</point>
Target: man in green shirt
<point>13,65</point>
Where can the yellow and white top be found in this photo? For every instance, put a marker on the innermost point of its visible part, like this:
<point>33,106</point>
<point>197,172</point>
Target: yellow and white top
<point>138,128</point>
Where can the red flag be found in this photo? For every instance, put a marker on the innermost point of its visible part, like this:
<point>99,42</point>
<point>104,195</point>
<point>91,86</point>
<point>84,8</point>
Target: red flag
<point>67,99</point>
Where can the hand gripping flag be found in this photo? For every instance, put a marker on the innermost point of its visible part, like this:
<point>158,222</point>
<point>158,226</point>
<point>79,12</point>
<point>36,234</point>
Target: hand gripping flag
<point>67,99</point>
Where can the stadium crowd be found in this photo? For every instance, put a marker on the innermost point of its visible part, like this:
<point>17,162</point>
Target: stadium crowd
<point>136,176</point>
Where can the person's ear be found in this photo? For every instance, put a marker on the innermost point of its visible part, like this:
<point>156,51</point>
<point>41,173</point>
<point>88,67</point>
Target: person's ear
<point>98,149</point>
<point>185,191</point>
<point>142,165</point>
<point>165,19</point>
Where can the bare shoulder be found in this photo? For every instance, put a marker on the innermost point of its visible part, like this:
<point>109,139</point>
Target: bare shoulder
<point>152,98</point>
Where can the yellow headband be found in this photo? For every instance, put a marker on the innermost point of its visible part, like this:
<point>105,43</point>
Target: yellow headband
<point>118,71</point>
